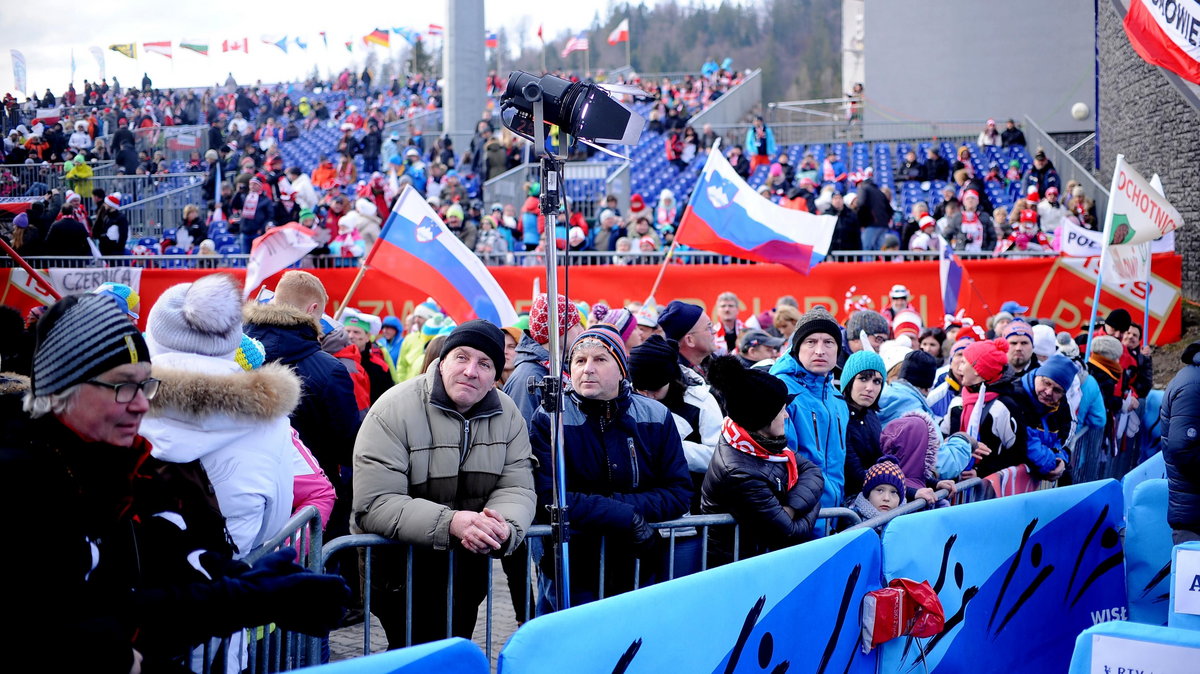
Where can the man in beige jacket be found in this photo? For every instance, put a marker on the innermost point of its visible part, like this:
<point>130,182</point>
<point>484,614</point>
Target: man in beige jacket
<point>442,462</point>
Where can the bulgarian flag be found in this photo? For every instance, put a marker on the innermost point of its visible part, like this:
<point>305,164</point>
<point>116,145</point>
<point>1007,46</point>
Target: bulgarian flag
<point>197,46</point>
<point>1165,34</point>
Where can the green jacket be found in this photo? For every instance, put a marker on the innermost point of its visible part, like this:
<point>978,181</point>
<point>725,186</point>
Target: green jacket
<point>412,356</point>
<point>417,461</point>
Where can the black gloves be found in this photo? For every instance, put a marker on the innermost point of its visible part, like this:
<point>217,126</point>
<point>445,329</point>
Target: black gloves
<point>292,596</point>
<point>643,537</point>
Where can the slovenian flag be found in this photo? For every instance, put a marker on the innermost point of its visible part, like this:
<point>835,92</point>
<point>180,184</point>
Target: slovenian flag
<point>952,275</point>
<point>416,248</point>
<point>726,216</point>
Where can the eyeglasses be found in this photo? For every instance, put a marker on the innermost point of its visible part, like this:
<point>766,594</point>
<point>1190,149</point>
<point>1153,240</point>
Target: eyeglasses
<point>127,391</point>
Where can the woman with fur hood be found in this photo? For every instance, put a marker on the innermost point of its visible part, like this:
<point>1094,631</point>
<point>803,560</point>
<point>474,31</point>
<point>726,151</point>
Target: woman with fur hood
<point>209,408</point>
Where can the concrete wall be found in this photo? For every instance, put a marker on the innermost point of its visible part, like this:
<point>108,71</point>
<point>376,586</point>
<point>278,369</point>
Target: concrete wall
<point>1018,57</point>
<point>464,63</point>
<point>1153,122</point>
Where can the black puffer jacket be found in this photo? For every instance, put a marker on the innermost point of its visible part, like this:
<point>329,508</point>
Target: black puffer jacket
<point>1181,443</point>
<point>755,491</point>
<point>862,447</point>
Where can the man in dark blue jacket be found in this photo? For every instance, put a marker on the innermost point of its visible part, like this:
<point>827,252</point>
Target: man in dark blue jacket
<point>1181,448</point>
<point>624,468</point>
<point>327,416</point>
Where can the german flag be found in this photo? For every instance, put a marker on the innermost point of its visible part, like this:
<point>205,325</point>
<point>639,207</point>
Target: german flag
<point>379,37</point>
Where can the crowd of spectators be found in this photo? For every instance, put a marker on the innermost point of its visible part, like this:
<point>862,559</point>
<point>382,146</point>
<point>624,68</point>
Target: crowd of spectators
<point>274,405</point>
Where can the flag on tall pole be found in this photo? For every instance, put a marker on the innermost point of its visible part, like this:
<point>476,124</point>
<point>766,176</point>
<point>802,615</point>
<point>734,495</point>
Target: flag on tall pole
<point>491,41</point>
<point>275,251</point>
<point>620,33</point>
<point>416,247</point>
<point>300,43</point>
<point>242,45</point>
<point>162,48</point>
<point>19,72</point>
<point>952,275</point>
<point>128,49</point>
<point>377,36</point>
<point>577,43</point>
<point>278,42</point>
<point>324,39</point>
<point>98,54</point>
<point>726,216</point>
<point>411,36</point>
<point>435,29</point>
<point>1136,215</point>
<point>198,46</point>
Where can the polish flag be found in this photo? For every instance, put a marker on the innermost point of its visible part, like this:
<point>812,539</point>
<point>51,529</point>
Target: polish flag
<point>620,33</point>
<point>1163,34</point>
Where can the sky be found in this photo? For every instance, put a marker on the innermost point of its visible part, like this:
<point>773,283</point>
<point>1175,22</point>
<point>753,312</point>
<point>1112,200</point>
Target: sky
<point>46,37</point>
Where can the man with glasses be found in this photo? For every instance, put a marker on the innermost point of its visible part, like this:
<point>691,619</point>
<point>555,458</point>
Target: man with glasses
<point>132,555</point>
<point>687,324</point>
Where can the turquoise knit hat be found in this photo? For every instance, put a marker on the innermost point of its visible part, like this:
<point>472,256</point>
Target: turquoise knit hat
<point>860,361</point>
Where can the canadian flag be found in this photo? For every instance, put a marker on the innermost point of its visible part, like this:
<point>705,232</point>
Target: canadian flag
<point>620,33</point>
<point>242,45</point>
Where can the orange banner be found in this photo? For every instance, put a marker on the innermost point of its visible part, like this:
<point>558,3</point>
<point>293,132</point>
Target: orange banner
<point>1059,289</point>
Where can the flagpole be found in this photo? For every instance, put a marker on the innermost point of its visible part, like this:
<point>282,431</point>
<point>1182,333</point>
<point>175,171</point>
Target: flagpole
<point>662,268</point>
<point>1146,306</point>
<point>362,271</point>
<point>1107,232</point>
<point>30,270</point>
<point>628,52</point>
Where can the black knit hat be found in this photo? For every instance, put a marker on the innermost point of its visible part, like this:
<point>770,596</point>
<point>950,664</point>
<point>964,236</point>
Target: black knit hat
<point>80,337</point>
<point>478,334</point>
<point>817,319</point>
<point>919,369</point>
<point>1118,319</point>
<point>654,363</point>
<point>753,397</point>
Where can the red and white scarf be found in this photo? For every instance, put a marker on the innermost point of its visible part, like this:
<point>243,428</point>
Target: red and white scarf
<point>250,205</point>
<point>739,439</point>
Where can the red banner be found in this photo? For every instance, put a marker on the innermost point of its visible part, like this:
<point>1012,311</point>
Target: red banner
<point>1059,289</point>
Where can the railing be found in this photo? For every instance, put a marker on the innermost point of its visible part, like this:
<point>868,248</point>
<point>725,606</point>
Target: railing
<point>18,180</point>
<point>141,187</point>
<point>537,534</point>
<point>1068,169</point>
<point>516,259</point>
<point>967,491</point>
<point>733,105</point>
<point>791,133</point>
<point>270,648</point>
<point>428,123</point>
<point>147,216</point>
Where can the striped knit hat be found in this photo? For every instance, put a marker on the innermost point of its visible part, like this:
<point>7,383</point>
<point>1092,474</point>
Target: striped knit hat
<point>608,339</point>
<point>80,337</point>
<point>885,471</point>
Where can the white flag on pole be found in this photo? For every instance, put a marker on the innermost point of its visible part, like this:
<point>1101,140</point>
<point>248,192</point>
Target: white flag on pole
<point>275,251</point>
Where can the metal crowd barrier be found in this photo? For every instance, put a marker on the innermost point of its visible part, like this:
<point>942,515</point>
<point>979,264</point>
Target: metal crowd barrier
<point>270,648</point>
<point>967,491</point>
<point>537,532</point>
